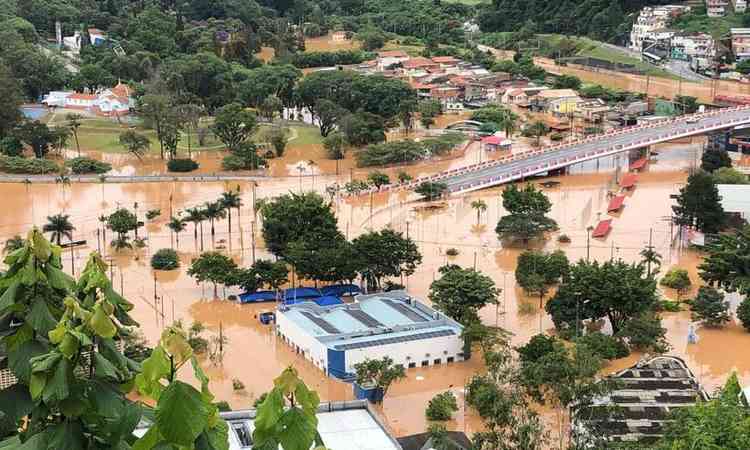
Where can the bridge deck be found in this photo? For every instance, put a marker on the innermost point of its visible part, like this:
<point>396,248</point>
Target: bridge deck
<point>498,172</point>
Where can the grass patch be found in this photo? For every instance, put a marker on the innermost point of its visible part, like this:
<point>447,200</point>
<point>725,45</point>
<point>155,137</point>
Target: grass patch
<point>598,51</point>
<point>411,50</point>
<point>698,21</point>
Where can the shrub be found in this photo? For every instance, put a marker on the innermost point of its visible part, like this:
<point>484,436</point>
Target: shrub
<point>198,343</point>
<point>607,347</point>
<point>442,406</point>
<point>152,214</point>
<point>223,406</point>
<point>84,165</point>
<point>669,306</point>
<point>356,186</point>
<point>710,307</point>
<point>431,190</point>
<point>564,239</point>
<point>165,259</point>
<point>743,313</point>
<point>237,385</point>
<point>645,333</point>
<point>244,158</point>
<point>31,166</point>
<point>677,279</point>
<point>452,252</point>
<point>182,165</point>
<point>556,137</point>
<point>11,146</point>
<point>538,346</point>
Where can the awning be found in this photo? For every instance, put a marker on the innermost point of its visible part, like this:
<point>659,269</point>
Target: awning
<point>602,229</point>
<point>628,180</point>
<point>616,203</point>
<point>639,164</point>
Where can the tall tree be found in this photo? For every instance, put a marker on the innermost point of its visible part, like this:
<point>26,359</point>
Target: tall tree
<point>293,217</point>
<point>386,253</point>
<point>11,99</point>
<point>527,218</point>
<point>74,123</point>
<point>229,200</point>
<point>710,308</point>
<point>479,206</point>
<point>461,293</point>
<point>214,211</point>
<point>590,290</point>
<point>136,143</point>
<point>725,266</point>
<point>714,159</point>
<point>234,125</point>
<point>177,225</point>
<point>379,373</point>
<point>196,216</point>
<point>536,271</point>
<point>59,225</point>
<point>699,204</point>
<point>190,116</point>
<point>156,109</point>
<point>36,135</point>
<point>214,268</point>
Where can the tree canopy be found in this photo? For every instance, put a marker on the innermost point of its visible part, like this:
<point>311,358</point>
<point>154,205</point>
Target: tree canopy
<point>526,219</point>
<point>699,204</point>
<point>461,293</point>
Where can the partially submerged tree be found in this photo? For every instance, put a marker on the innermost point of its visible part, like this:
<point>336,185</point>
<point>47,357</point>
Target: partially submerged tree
<point>385,253</point>
<point>430,190</point>
<point>379,373</point>
<point>461,293</point>
<point>214,268</point>
<point>527,214</point>
<point>699,204</point>
<point>536,271</point>
<point>710,308</point>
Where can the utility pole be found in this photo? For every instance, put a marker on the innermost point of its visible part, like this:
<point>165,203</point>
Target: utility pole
<point>252,238</point>
<point>650,249</point>
<point>588,243</point>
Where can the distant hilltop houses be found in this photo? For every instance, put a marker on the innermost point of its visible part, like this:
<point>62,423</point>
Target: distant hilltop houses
<point>116,101</point>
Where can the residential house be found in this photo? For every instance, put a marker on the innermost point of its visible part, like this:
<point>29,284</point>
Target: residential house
<point>651,19</point>
<point>446,61</point>
<point>739,6</point>
<point>557,101</point>
<point>594,110</point>
<point>515,96</point>
<point>97,36</point>
<point>717,8</point>
<point>388,59</point>
<point>688,46</point>
<point>419,64</point>
<point>115,101</point>
<point>496,142</point>
<point>740,43</point>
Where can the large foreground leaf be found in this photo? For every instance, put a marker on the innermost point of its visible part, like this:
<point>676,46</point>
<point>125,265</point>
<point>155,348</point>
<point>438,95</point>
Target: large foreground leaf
<point>181,414</point>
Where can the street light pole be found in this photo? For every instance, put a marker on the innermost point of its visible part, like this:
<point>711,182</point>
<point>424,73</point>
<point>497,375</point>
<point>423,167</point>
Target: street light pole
<point>588,243</point>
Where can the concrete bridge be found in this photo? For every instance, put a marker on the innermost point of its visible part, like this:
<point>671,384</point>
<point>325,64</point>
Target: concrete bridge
<point>526,164</point>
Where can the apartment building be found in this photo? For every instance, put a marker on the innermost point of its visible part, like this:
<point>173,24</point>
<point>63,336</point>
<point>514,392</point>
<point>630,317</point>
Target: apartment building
<point>717,8</point>
<point>739,6</point>
<point>740,43</point>
<point>651,20</point>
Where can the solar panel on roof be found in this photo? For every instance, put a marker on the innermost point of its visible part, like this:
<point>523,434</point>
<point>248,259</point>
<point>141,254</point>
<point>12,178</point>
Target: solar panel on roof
<point>403,309</point>
<point>395,340</point>
<point>363,317</point>
<point>327,327</point>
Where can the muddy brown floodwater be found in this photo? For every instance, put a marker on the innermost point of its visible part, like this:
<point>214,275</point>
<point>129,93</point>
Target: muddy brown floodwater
<point>255,356</point>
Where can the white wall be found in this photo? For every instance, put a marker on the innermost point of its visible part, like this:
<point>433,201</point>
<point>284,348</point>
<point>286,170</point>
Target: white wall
<point>414,349</point>
<point>313,349</point>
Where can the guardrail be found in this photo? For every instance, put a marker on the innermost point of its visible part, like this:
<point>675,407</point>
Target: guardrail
<point>603,137</point>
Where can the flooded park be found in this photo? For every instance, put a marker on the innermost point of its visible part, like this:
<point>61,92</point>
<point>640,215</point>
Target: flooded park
<point>254,355</point>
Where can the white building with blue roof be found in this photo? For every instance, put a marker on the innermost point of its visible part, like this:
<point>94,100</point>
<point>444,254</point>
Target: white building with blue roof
<point>392,324</point>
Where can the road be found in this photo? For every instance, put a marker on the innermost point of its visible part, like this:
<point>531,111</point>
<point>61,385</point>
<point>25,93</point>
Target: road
<point>541,161</point>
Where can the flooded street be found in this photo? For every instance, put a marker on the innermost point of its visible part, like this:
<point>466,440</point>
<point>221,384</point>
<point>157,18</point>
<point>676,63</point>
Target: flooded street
<point>255,356</point>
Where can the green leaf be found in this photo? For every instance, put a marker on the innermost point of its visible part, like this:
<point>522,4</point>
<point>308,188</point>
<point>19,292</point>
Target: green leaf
<point>72,407</point>
<point>299,430</point>
<point>36,384</point>
<point>101,323</point>
<point>59,279</point>
<point>215,438</point>
<point>177,346</point>
<point>40,317</point>
<point>9,296</point>
<point>269,411</point>
<point>15,403</point>
<point>23,334</point>
<point>42,249</point>
<point>58,385</point>
<point>69,345</point>
<point>181,414</point>
<point>148,440</point>
<point>104,368</point>
<point>19,360</point>
<point>66,436</point>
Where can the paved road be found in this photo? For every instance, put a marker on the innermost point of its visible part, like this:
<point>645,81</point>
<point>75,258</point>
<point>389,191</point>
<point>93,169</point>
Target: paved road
<point>491,174</point>
<point>126,179</point>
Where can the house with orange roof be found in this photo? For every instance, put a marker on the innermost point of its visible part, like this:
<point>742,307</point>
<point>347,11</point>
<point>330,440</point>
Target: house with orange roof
<point>115,101</point>
<point>390,58</point>
<point>419,63</point>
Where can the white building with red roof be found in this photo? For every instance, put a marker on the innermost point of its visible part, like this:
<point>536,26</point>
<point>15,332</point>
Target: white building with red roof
<point>116,101</point>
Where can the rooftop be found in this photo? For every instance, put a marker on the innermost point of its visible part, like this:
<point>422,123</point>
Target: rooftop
<point>644,396</point>
<point>376,319</point>
<point>347,425</point>
<point>557,93</point>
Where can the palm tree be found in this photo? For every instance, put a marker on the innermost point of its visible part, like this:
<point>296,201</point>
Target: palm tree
<point>59,225</point>
<point>480,206</point>
<point>229,200</point>
<point>212,212</point>
<point>508,122</point>
<point>14,244</point>
<point>103,220</point>
<point>74,122</point>
<point>177,226</point>
<point>196,216</point>
<point>649,258</point>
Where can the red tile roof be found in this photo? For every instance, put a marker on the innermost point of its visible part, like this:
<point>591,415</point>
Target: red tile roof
<point>393,54</point>
<point>419,61</point>
<point>629,180</point>
<point>639,164</point>
<point>121,90</point>
<point>78,96</point>
<point>445,59</point>
<point>602,229</point>
<point>616,203</point>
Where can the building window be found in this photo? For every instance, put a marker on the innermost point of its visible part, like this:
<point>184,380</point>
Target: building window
<point>412,365</point>
<point>449,360</point>
<point>437,361</point>
<point>243,434</point>
<point>425,363</point>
